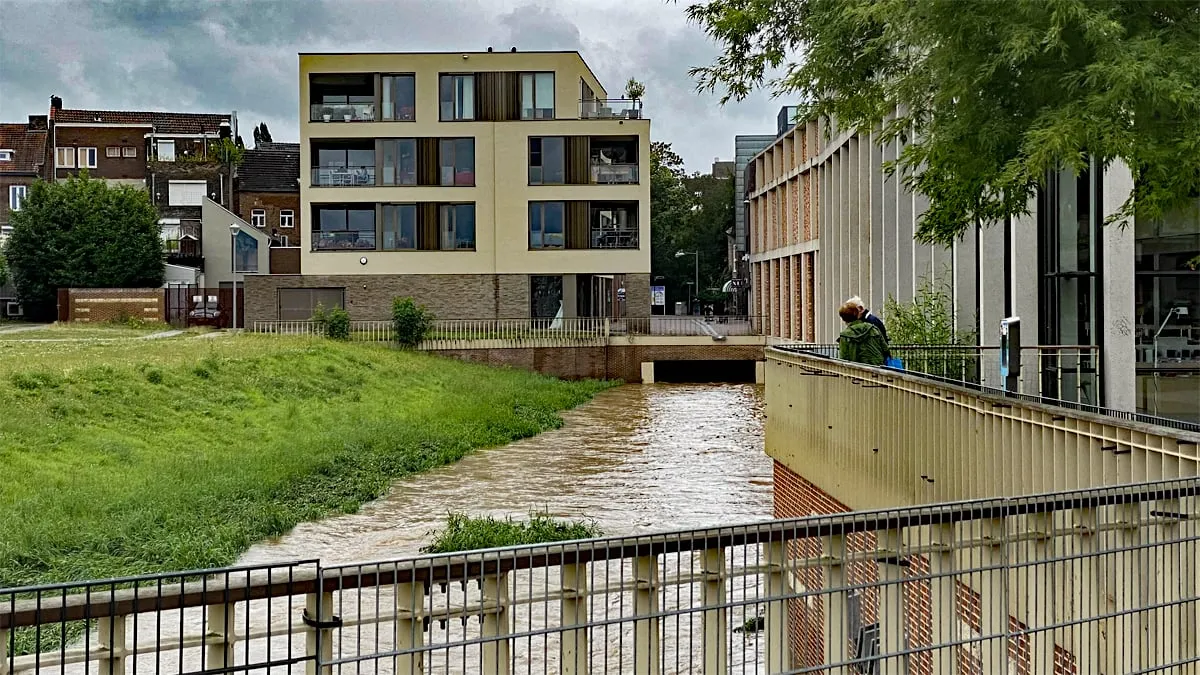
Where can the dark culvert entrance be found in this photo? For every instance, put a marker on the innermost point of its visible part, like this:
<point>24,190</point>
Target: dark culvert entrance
<point>704,371</point>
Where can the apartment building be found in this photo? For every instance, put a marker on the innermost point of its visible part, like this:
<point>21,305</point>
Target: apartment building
<point>22,159</point>
<point>483,184</point>
<point>166,153</point>
<point>826,222</point>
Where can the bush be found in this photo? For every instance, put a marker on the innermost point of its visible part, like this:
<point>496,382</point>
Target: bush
<point>335,322</point>
<point>928,320</point>
<point>465,533</point>
<point>411,321</point>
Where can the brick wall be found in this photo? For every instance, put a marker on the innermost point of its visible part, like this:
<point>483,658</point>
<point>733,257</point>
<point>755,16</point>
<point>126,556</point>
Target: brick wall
<point>285,260</point>
<point>795,497</point>
<point>97,305</point>
<point>272,203</point>
<point>101,138</point>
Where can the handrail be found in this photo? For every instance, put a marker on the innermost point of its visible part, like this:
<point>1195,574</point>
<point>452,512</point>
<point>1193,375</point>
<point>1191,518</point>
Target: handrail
<point>442,568</point>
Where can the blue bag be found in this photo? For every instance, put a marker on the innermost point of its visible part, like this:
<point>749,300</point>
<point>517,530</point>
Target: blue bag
<point>895,363</point>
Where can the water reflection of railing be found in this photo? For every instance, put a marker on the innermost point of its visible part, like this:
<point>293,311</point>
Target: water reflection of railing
<point>1004,585</point>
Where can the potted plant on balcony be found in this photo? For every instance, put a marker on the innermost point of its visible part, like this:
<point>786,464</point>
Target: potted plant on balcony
<point>634,91</point>
<point>326,114</point>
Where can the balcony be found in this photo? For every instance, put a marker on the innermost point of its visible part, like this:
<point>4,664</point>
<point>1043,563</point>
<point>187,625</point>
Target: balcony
<point>342,112</point>
<point>610,109</point>
<point>614,160</point>
<point>343,176</point>
<point>342,97</point>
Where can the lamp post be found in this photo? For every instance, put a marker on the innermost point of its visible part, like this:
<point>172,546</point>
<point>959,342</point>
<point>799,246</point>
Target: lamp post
<point>696,255</point>
<point>234,229</point>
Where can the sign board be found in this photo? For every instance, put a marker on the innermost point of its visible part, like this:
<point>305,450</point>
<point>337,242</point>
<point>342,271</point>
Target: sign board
<point>621,294</point>
<point>658,296</point>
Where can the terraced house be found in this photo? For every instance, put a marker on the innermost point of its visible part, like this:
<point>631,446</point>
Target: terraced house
<point>483,184</point>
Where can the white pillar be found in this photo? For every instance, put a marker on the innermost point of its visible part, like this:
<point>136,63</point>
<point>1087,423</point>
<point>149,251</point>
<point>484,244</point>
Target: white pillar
<point>1118,359</point>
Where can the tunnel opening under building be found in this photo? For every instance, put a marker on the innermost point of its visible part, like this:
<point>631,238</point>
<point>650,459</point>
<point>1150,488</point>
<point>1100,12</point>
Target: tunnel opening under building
<point>704,371</point>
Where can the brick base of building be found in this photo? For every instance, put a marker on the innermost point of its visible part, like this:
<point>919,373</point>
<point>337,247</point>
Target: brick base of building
<point>368,297</point>
<point>795,497</point>
<point>614,362</point>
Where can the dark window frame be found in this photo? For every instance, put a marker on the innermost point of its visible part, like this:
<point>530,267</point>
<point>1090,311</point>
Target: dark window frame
<point>454,141</point>
<point>381,158</point>
<point>541,153</point>
<point>442,206</point>
<point>413,79</point>
<point>537,211</point>
<point>416,227</point>
<point>315,228</point>
<point>443,78</point>
<point>533,75</point>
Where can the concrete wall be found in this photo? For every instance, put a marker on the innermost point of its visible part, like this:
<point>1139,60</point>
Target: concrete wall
<point>218,245</point>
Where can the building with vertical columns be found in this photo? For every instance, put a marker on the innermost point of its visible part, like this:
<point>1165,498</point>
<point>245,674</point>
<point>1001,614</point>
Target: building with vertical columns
<point>482,184</point>
<point>826,223</point>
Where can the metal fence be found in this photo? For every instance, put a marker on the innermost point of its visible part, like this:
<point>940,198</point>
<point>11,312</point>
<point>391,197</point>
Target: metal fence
<point>360,331</point>
<point>1054,583</point>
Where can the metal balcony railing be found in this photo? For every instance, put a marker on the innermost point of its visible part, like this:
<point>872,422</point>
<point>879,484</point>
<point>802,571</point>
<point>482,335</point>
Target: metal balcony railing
<point>342,112</point>
<point>332,176</point>
<point>1055,583</point>
<point>614,174</point>
<point>610,109</point>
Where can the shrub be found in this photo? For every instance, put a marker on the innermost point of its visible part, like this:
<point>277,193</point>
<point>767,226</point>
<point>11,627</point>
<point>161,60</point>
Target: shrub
<point>335,322</point>
<point>465,533</point>
<point>411,321</point>
<point>928,320</point>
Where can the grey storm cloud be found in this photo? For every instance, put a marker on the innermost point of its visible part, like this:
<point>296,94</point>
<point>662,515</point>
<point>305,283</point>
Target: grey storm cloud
<point>221,55</point>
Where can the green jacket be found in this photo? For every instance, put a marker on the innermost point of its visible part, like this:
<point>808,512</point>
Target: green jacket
<point>862,343</point>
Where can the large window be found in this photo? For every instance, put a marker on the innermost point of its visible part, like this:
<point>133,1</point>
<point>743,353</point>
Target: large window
<point>245,253</point>
<point>547,160</point>
<point>337,227</point>
<point>614,225</point>
<point>399,97</point>
<point>457,97</point>
<point>537,96</point>
<point>345,166</point>
<point>546,221</point>
<point>399,161</point>
<point>64,158</point>
<point>298,304</point>
<point>545,296</point>
<point>1168,289</point>
<point>456,227</point>
<point>16,197</point>
<point>399,227</point>
<point>165,151</point>
<point>457,160</point>
<point>87,158</point>
<point>186,192</point>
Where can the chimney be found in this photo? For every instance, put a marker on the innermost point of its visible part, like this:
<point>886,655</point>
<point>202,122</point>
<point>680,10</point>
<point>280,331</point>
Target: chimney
<point>55,104</point>
<point>225,130</point>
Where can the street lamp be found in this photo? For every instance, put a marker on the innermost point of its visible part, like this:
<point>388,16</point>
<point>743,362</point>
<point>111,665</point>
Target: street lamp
<point>696,255</point>
<point>234,229</point>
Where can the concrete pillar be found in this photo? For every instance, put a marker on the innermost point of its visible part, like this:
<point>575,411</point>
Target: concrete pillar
<point>574,609</point>
<point>318,643</point>
<point>496,624</point>
<point>714,621</point>
<point>647,372</point>
<point>570,296</point>
<point>219,635</point>
<point>112,641</point>
<point>775,624</point>
<point>833,552</point>
<point>760,372</point>
<point>647,655</point>
<point>1118,359</point>
<point>410,628</point>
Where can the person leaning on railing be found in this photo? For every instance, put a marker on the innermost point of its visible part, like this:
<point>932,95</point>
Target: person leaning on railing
<point>870,318</point>
<point>860,341</point>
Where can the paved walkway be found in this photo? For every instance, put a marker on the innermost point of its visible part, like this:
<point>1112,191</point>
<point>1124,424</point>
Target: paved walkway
<point>25,329</point>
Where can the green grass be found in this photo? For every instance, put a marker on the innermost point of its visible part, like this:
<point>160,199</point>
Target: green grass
<point>465,533</point>
<point>141,456</point>
<point>85,332</point>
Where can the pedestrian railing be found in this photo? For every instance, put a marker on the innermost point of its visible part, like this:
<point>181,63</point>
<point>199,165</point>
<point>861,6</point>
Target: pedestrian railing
<point>360,331</point>
<point>1092,581</point>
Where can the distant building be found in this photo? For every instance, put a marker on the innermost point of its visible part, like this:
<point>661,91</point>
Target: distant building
<point>723,169</point>
<point>22,160</point>
<point>744,149</point>
<point>786,120</point>
<point>268,198</point>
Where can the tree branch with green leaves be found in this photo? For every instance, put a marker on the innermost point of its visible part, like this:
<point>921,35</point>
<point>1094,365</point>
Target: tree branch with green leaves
<point>990,95</point>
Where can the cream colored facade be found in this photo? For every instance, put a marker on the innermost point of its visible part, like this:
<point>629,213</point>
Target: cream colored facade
<point>501,193</point>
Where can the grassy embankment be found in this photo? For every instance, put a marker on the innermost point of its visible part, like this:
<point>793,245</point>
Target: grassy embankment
<point>138,456</point>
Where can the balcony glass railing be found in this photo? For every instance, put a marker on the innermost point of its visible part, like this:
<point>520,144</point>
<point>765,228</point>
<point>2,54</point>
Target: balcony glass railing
<point>338,176</point>
<point>610,109</point>
<point>610,174</point>
<point>342,112</point>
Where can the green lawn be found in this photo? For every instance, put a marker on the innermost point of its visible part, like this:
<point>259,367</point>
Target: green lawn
<point>77,331</point>
<point>138,456</point>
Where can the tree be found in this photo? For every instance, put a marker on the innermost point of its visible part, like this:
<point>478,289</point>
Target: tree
<point>991,95</point>
<point>3,268</point>
<point>261,134</point>
<point>634,90</point>
<point>83,233</point>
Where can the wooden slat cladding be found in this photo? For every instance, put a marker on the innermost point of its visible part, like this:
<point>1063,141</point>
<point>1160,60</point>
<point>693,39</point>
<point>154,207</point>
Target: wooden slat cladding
<point>578,160</point>
<point>427,162</point>
<point>577,225</point>
<point>427,225</point>
<point>497,96</point>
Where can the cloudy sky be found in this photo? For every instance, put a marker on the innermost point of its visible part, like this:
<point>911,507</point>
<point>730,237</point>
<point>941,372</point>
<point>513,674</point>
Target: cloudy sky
<point>221,55</point>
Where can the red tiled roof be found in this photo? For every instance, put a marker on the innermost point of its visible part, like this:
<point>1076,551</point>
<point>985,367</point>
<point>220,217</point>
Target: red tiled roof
<point>163,122</point>
<point>28,146</point>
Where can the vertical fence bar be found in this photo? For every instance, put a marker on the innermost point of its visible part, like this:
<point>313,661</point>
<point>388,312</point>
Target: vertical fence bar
<point>318,642</point>
<point>776,624</point>
<point>497,622</point>
<point>574,610</point>
<point>111,645</point>
<point>410,630</point>
<point>647,655</point>
<point>220,635</point>
<point>715,621</point>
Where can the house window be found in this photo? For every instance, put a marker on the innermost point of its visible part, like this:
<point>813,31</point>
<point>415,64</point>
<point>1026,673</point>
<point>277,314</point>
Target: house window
<point>457,159</point>
<point>546,224</point>
<point>337,227</point>
<point>399,98</point>
<point>281,240</point>
<point>457,227</point>
<point>537,96</point>
<point>457,97</point>
<point>614,226</point>
<point>64,158</point>
<point>245,253</point>
<point>298,304</point>
<point>258,217</point>
<point>171,232</point>
<point>547,160</point>
<point>186,192</point>
<point>345,166</point>
<point>165,151</point>
<point>129,151</point>
<point>112,151</point>
<point>6,155</point>
<point>16,197</point>
<point>87,158</point>
<point>399,161</point>
<point>399,227</point>
<point>287,218</point>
